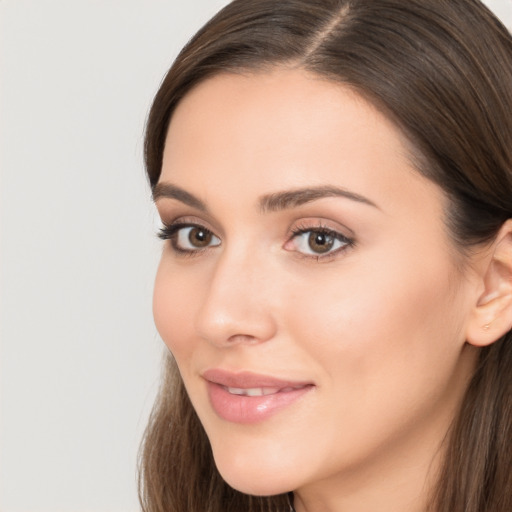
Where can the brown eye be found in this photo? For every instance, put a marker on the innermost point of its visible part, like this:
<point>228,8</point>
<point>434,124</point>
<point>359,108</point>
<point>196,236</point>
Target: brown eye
<point>200,237</point>
<point>191,238</point>
<point>320,242</point>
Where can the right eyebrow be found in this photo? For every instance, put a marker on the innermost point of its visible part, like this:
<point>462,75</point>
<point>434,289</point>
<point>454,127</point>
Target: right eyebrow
<point>170,191</point>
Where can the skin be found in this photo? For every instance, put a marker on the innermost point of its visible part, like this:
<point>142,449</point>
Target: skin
<point>378,326</point>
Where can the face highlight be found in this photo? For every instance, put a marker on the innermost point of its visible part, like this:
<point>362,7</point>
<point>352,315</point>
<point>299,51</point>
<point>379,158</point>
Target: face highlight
<point>307,287</point>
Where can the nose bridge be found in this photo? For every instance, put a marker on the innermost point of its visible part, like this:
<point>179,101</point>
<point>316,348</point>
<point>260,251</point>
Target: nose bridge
<point>236,305</point>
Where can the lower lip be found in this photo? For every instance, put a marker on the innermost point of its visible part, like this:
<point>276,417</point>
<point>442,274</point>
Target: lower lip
<point>250,409</point>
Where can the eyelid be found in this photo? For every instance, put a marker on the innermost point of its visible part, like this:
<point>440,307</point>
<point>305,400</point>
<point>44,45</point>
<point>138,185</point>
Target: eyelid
<point>320,224</point>
<point>170,216</point>
<point>171,221</point>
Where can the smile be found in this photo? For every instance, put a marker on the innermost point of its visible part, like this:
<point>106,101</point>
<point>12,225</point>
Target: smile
<point>249,398</point>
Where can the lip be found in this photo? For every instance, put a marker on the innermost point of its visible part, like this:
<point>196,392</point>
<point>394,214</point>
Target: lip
<point>229,395</point>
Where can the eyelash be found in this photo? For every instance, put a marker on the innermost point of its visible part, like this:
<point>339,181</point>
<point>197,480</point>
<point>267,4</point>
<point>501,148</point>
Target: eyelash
<point>171,233</point>
<point>322,231</point>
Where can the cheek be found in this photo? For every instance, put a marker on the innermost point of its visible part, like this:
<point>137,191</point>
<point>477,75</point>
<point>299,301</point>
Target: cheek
<point>386,350</point>
<point>386,322</point>
<point>173,300</point>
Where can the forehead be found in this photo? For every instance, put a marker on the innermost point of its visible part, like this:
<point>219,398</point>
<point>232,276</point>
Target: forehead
<point>276,109</point>
<point>283,129</point>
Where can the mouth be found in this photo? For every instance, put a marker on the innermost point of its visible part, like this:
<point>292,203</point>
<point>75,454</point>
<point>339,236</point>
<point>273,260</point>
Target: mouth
<point>259,391</point>
<point>251,398</point>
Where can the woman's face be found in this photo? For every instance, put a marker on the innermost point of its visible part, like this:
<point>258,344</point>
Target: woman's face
<point>308,288</point>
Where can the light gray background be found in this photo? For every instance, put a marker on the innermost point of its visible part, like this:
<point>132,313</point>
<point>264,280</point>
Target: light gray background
<point>79,356</point>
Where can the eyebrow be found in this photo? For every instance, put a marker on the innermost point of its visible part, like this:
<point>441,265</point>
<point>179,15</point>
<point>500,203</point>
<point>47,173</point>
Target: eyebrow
<point>300,196</point>
<point>267,203</point>
<point>170,191</point>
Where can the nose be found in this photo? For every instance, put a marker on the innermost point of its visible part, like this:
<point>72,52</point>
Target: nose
<point>236,307</point>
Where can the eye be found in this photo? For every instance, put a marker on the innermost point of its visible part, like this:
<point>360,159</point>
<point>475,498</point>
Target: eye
<point>318,242</point>
<point>189,237</point>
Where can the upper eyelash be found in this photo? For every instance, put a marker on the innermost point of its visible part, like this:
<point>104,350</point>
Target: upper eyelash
<point>323,231</point>
<point>300,230</point>
<point>167,231</point>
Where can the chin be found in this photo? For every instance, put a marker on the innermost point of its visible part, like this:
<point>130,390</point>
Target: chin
<point>254,485</point>
<point>254,476</point>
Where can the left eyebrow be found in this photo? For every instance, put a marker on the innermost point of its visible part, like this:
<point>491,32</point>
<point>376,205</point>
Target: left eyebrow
<point>293,198</point>
<point>170,191</point>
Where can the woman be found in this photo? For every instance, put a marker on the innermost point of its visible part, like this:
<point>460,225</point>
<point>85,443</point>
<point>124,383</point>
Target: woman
<point>334,179</point>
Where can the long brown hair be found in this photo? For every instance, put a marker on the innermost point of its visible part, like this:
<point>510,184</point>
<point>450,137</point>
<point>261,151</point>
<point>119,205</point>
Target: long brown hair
<point>442,71</point>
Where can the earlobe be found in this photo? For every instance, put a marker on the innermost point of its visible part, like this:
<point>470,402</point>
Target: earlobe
<point>492,315</point>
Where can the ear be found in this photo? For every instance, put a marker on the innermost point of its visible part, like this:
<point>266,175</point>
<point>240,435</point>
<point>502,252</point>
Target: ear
<point>491,317</point>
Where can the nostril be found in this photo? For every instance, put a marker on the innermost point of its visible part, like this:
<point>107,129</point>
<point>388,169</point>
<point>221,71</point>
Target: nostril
<point>242,338</point>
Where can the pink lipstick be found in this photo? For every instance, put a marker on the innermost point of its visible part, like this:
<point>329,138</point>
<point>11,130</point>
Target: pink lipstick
<point>250,398</point>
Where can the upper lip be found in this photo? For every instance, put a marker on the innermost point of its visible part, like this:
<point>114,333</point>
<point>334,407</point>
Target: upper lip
<point>249,380</point>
